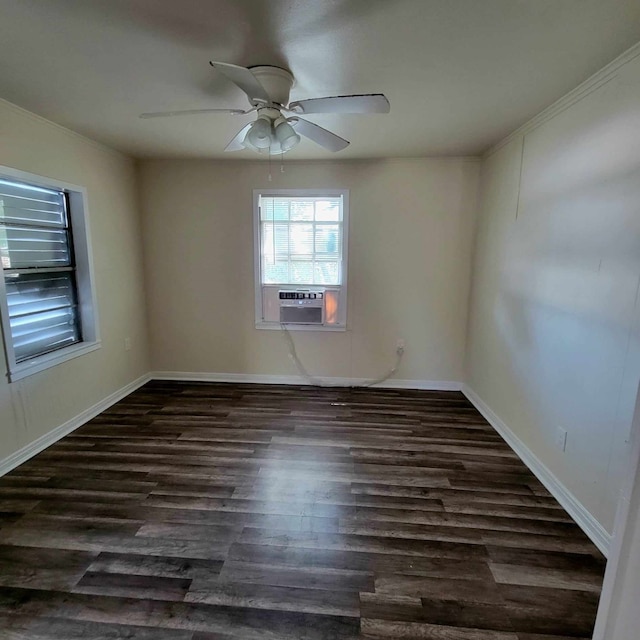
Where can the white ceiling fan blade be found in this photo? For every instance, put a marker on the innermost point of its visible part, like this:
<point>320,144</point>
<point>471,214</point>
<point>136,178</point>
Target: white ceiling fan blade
<point>189,112</point>
<point>324,138</point>
<point>243,78</point>
<point>237,143</point>
<point>370,103</point>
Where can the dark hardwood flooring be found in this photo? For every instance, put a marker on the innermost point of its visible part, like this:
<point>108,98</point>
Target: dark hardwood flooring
<point>218,511</point>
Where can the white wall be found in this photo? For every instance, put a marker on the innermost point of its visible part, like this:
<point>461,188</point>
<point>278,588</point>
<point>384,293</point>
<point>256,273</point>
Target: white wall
<point>32,407</point>
<point>552,340</point>
<point>411,231</point>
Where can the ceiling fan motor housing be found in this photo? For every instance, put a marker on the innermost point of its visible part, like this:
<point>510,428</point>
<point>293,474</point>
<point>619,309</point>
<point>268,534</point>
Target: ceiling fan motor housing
<point>277,82</point>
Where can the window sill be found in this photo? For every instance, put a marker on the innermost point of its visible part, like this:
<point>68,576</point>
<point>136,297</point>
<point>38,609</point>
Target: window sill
<point>40,363</point>
<point>276,326</point>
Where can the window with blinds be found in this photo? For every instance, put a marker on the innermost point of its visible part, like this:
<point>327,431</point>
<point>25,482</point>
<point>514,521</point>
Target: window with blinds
<point>301,240</point>
<point>36,251</point>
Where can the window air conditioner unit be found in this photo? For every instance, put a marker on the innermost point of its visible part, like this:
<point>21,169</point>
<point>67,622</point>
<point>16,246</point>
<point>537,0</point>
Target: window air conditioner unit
<point>301,306</point>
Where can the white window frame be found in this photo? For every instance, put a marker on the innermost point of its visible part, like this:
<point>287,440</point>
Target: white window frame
<point>87,303</point>
<point>341,324</point>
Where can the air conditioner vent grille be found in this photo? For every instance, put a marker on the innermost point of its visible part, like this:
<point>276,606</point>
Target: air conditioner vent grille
<point>301,315</point>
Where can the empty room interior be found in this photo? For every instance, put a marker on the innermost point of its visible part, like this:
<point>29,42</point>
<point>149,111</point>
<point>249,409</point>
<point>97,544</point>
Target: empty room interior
<point>320,319</point>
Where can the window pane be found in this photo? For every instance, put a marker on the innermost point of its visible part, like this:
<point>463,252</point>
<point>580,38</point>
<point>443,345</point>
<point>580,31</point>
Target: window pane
<point>31,293</point>
<point>328,240</point>
<point>22,247</point>
<point>22,204</point>
<point>327,273</point>
<point>275,241</point>
<point>266,208</point>
<point>302,210</point>
<point>281,245</point>
<point>43,333</point>
<point>42,313</point>
<point>280,209</point>
<point>275,272</point>
<point>328,210</point>
<point>302,273</point>
<point>301,240</point>
<point>268,250</point>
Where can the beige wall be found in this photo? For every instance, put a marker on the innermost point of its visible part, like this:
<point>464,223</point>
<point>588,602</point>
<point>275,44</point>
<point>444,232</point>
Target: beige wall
<point>35,405</point>
<point>411,230</point>
<point>552,339</point>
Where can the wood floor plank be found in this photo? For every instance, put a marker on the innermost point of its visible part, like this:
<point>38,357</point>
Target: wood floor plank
<point>213,511</point>
<point>276,598</point>
<point>590,562</point>
<point>42,568</point>
<point>401,630</point>
<point>328,579</point>
<point>16,627</point>
<point>451,589</point>
<point>162,566</point>
<point>440,563</point>
<point>546,577</point>
<point>126,585</point>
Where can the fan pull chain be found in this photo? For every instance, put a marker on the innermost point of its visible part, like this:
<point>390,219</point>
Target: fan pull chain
<point>282,162</point>
<point>270,178</point>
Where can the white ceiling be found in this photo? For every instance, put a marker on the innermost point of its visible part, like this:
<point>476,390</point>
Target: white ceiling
<point>460,74</point>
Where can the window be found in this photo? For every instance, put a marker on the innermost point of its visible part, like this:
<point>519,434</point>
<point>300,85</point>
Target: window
<point>301,245</point>
<point>46,298</point>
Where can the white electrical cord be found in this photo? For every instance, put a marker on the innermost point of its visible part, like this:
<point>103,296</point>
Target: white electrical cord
<point>293,354</point>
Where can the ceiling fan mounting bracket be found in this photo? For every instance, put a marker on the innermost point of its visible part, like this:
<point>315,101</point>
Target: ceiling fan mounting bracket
<point>277,82</point>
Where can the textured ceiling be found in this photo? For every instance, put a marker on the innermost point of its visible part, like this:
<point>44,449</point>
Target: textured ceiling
<point>460,74</point>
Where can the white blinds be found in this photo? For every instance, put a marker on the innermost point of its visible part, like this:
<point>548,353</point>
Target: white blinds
<point>37,260</point>
<point>301,240</point>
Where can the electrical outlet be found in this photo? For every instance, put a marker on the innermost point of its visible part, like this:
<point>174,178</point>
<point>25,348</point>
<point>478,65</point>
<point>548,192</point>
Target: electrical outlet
<point>561,439</point>
<point>127,344</point>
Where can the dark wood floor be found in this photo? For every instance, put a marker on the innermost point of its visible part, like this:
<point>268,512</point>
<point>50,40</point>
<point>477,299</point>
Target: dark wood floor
<point>212,511</point>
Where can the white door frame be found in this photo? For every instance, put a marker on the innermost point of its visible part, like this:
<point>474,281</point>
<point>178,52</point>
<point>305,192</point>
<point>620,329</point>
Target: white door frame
<point>619,552</point>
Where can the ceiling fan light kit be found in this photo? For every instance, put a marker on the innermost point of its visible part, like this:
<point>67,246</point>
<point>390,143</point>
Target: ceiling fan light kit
<point>285,135</point>
<point>269,132</point>
<point>260,134</point>
<point>278,127</point>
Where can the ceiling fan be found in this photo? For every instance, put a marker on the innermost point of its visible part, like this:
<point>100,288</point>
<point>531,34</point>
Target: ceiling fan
<point>278,127</point>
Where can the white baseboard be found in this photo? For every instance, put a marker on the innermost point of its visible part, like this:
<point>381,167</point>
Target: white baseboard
<point>257,378</point>
<point>30,450</point>
<point>596,532</point>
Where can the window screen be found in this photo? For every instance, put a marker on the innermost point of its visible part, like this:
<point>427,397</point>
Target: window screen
<point>36,252</point>
<point>301,240</point>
